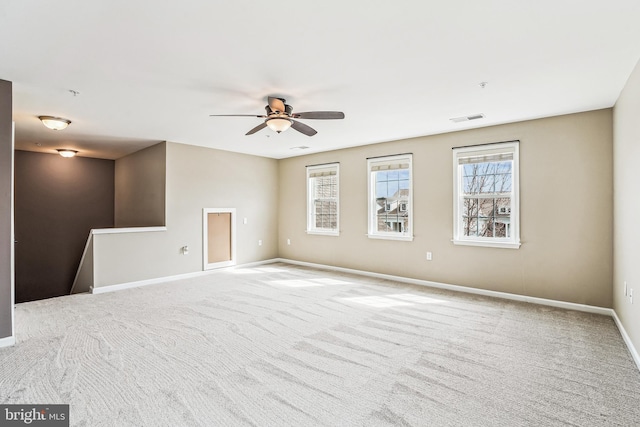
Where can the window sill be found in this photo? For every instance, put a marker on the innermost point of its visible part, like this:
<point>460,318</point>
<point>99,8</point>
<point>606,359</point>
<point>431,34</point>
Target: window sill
<point>487,244</point>
<point>324,233</point>
<point>390,237</point>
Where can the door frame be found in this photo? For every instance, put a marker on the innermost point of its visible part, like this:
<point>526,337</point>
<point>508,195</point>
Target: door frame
<point>206,265</point>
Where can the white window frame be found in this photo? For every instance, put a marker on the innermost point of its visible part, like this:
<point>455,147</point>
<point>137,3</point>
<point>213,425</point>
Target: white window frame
<point>512,242</point>
<point>373,233</point>
<point>311,226</point>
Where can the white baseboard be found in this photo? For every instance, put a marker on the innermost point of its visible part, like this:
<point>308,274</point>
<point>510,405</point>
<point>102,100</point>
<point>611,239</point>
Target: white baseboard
<point>457,288</point>
<point>136,284</point>
<point>626,338</point>
<point>7,342</point>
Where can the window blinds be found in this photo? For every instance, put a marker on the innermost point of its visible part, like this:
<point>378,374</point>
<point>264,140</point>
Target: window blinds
<point>375,167</point>
<point>497,152</point>
<point>390,163</point>
<point>498,157</point>
<point>324,170</point>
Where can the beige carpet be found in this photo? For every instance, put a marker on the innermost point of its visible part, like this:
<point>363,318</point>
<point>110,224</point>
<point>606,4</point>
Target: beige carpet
<point>283,345</point>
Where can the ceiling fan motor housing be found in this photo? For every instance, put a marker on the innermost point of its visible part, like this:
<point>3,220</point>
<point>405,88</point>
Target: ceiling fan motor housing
<point>288,110</point>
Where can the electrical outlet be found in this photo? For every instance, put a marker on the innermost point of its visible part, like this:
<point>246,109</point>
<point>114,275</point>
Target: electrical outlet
<point>631,295</point>
<point>259,242</point>
<point>625,288</point>
<point>429,256</point>
<point>244,220</point>
<point>288,241</point>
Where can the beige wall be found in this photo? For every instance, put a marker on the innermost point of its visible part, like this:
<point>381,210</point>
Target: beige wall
<point>140,188</point>
<point>196,178</point>
<point>566,212</point>
<point>200,178</point>
<point>626,148</point>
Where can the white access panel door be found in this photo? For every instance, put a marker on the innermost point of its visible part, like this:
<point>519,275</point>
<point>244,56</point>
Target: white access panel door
<point>218,237</point>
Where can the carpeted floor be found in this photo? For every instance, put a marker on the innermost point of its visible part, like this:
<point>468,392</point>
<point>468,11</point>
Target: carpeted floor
<point>282,345</point>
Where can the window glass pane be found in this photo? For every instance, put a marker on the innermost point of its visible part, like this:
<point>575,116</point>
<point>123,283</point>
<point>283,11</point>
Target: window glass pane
<point>485,227</point>
<point>470,225</point>
<point>487,177</point>
<point>486,184</point>
<point>381,176</point>
<point>487,217</point>
<point>501,229</point>
<point>503,183</point>
<point>485,208</point>
<point>470,207</point>
<point>503,206</point>
<point>504,167</point>
<point>468,184</point>
<point>392,189</point>
<point>381,189</point>
<point>469,169</point>
<point>480,169</point>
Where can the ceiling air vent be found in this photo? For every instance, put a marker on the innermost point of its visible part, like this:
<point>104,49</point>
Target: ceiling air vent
<point>467,118</point>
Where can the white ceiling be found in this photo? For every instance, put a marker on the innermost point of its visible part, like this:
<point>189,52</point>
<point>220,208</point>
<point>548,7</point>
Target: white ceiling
<point>151,71</point>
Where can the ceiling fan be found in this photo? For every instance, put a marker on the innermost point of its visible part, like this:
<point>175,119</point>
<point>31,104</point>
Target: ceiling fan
<point>280,117</point>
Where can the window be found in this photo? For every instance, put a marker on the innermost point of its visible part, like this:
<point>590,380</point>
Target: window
<point>390,197</point>
<point>322,199</point>
<point>486,195</point>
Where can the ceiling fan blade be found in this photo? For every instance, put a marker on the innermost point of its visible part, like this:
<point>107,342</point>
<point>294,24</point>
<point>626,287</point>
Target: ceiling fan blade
<point>276,104</point>
<point>238,115</point>
<point>256,129</point>
<point>319,115</point>
<point>301,127</point>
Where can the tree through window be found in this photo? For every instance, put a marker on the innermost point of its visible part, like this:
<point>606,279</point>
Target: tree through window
<point>486,197</point>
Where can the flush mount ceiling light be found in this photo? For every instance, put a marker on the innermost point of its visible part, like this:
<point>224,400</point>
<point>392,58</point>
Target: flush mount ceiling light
<point>55,123</point>
<point>67,153</point>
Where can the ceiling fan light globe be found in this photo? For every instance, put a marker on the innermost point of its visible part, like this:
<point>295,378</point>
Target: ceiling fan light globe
<point>279,124</point>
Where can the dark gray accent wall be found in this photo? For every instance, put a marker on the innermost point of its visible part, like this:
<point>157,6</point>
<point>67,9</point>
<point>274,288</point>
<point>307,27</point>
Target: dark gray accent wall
<point>6,241</point>
<point>57,202</point>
